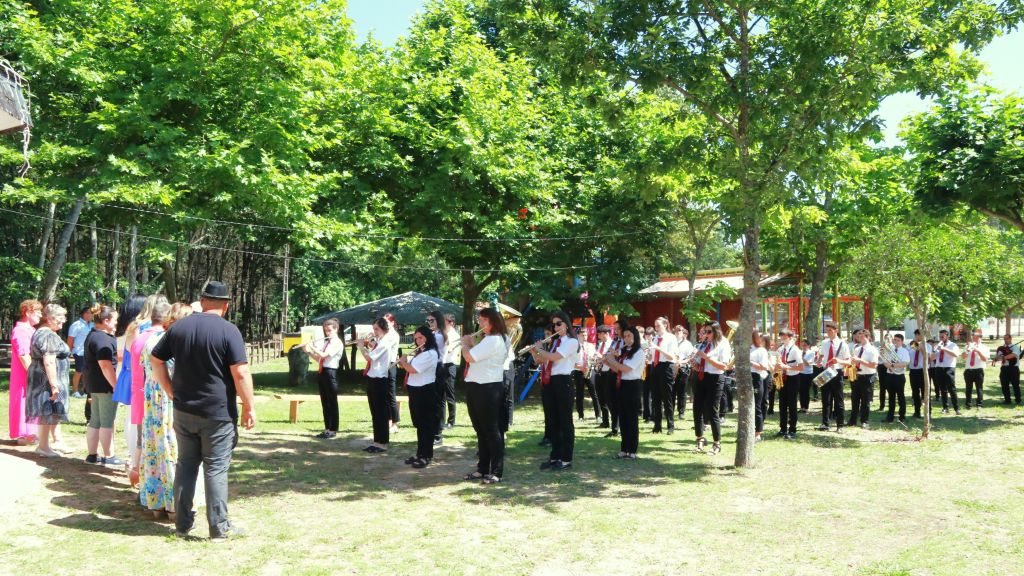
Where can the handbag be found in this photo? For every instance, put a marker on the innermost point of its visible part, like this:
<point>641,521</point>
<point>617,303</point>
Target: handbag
<point>123,388</point>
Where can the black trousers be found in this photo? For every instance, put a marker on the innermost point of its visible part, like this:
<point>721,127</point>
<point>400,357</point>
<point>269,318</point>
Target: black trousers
<point>648,384</point>
<point>608,393</point>
<point>424,411</point>
<point>508,399</point>
<point>392,395</point>
<point>563,431</point>
<point>726,403</point>
<point>485,406</point>
<point>896,384</point>
<point>945,379</point>
<point>917,389</point>
<point>860,398</point>
<point>805,390</point>
<point>451,372</point>
<point>788,402</point>
<point>629,414</point>
<point>883,379</point>
<point>1010,376</point>
<point>661,388</point>
<point>832,402</point>
<point>973,378</point>
<point>328,383</point>
<point>585,386</point>
<point>759,397</point>
<point>814,389</point>
<point>377,393</point>
<point>547,401</point>
<point>708,396</point>
<point>933,374</point>
<point>679,386</point>
<point>771,396</point>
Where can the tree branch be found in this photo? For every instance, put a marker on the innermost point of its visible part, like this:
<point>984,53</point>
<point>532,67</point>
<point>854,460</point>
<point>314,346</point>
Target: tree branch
<point>706,108</point>
<point>721,23</point>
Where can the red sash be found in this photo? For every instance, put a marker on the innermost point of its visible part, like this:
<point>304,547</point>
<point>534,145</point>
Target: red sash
<point>545,373</point>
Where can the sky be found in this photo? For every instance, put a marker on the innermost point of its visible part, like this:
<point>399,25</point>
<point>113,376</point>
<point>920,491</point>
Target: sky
<point>387,20</point>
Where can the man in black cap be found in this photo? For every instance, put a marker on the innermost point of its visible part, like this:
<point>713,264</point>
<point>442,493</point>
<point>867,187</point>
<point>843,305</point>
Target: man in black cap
<point>209,367</point>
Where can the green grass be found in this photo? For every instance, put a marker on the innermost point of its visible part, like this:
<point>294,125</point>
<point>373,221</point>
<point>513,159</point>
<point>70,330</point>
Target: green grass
<point>866,503</point>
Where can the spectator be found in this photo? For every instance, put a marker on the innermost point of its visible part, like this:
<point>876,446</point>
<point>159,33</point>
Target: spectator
<point>76,341</point>
<point>21,353</point>
<point>210,370</point>
<point>135,337</point>
<point>100,370</point>
<point>47,393</point>
<point>159,447</point>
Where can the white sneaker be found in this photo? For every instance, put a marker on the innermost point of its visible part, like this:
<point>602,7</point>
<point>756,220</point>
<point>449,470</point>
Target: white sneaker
<point>62,448</point>
<point>46,453</point>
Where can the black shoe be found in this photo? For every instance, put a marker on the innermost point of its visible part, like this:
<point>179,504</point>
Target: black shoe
<point>559,465</point>
<point>438,441</point>
<point>411,459</point>
<point>780,434</point>
<point>604,424</point>
<point>791,436</point>
<point>902,420</point>
<point>612,434</point>
<point>544,442</point>
<point>656,431</point>
<point>670,431</point>
<point>323,435</point>
<point>916,415</point>
<point>230,534</point>
<point>548,465</point>
<point>957,412</point>
<point>374,449</point>
<point>968,406</point>
<point>92,459</point>
<point>421,463</point>
<point>851,423</point>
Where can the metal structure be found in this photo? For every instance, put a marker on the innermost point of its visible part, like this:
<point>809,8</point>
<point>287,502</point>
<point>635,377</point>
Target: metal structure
<point>14,108</point>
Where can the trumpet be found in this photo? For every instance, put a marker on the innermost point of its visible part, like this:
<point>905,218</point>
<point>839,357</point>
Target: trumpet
<point>526,349</point>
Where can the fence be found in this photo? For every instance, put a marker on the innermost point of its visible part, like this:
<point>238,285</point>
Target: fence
<point>259,352</point>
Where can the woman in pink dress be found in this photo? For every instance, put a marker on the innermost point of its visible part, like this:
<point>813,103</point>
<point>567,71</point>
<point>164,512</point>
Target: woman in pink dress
<point>21,351</point>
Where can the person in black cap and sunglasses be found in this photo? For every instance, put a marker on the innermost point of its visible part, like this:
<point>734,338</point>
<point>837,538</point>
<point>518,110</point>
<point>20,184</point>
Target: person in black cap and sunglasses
<point>210,370</point>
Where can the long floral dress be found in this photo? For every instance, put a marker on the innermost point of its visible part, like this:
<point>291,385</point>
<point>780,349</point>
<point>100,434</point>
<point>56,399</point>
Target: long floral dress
<point>38,407</point>
<point>159,446</point>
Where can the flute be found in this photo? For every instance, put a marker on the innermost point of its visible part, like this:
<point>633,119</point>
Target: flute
<point>532,346</point>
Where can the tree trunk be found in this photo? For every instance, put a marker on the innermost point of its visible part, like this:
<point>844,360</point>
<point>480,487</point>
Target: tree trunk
<point>93,241</point>
<point>812,322</point>
<point>741,345</point>
<point>133,252</point>
<point>698,252</point>
<point>49,287</point>
<point>470,292</point>
<point>170,281</point>
<point>921,314</point>
<point>115,263</point>
<point>47,232</point>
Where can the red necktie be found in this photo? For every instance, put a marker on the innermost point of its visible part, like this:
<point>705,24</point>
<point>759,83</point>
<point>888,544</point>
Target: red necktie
<point>942,352</point>
<point>703,362</point>
<point>657,353</point>
<point>545,373</point>
<point>859,355</point>
<point>972,358</point>
<point>831,352</point>
<point>917,357</point>
<point>321,369</point>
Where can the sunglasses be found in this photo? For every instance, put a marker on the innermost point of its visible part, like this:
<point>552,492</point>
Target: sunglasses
<point>431,320</point>
<point>558,323</point>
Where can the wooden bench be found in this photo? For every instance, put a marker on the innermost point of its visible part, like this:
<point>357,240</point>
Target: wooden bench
<point>296,399</point>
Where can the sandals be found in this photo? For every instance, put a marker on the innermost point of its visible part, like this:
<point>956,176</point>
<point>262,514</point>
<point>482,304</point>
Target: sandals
<point>374,449</point>
<point>701,444</point>
<point>411,459</point>
<point>716,448</point>
<point>621,455</point>
<point>473,476</point>
<point>491,479</point>
<point>421,463</point>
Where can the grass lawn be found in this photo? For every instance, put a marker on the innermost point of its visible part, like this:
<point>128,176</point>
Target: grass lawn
<point>864,502</point>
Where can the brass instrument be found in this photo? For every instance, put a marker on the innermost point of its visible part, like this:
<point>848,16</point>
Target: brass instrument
<point>914,345</point>
<point>887,353</point>
<point>777,380</point>
<point>526,349</point>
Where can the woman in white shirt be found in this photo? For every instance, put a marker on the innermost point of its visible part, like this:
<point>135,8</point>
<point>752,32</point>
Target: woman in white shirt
<point>378,389</point>
<point>556,378</point>
<point>435,321</point>
<point>420,379</point>
<point>760,367</point>
<point>485,384</point>
<point>327,354</point>
<point>711,362</point>
<point>629,366</point>
<point>392,339</point>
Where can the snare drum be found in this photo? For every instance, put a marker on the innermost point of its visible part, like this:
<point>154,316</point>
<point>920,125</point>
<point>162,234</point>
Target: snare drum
<point>825,377</point>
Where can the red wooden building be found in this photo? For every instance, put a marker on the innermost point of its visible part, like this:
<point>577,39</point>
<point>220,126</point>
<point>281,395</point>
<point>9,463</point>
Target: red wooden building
<point>783,301</point>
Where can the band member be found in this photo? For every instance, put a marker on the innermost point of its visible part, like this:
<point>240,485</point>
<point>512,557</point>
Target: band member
<point>1009,372</point>
<point>328,354</point>
<point>604,376</point>
<point>806,375</point>
<point>790,363</point>
<point>944,356</point>
<point>377,390</point>
<point>710,363</point>
<point>621,326</point>
<point>896,380</point>
<point>834,353</point>
<point>682,366</point>
<point>917,353</point>
<point>648,335</point>
<point>933,371</point>
<point>435,321</point>
<point>664,349</point>
<point>581,377</point>
<point>452,353</point>
<point>773,345</point>
<point>421,381</point>
<point>760,363</point>
<point>514,331</point>
<point>393,341</point>
<point>484,391</point>
<point>766,340</point>
<point>975,356</point>
<point>556,375</point>
<point>865,358</point>
<point>883,380</point>
<point>546,398</point>
<point>628,366</point>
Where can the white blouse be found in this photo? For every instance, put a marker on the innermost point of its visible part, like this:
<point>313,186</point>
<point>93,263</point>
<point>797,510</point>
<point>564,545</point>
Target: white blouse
<point>635,365</point>
<point>381,358</point>
<point>334,350</point>
<point>722,353</point>
<point>569,348</point>
<point>439,338</point>
<point>759,355</point>
<point>488,363</point>
<point>425,364</point>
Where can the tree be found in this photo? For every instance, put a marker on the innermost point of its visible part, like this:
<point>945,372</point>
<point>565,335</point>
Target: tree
<point>778,83</point>
<point>970,151</point>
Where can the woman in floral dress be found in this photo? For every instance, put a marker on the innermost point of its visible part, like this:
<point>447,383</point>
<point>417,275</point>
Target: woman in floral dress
<point>159,447</point>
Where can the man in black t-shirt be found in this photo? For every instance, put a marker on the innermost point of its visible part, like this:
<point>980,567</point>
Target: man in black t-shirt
<point>210,369</point>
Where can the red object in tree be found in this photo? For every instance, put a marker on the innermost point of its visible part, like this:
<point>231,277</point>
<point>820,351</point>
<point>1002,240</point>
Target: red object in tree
<point>522,213</point>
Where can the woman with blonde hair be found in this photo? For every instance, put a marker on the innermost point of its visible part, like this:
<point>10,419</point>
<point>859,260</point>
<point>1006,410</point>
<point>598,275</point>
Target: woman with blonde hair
<point>159,453</point>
